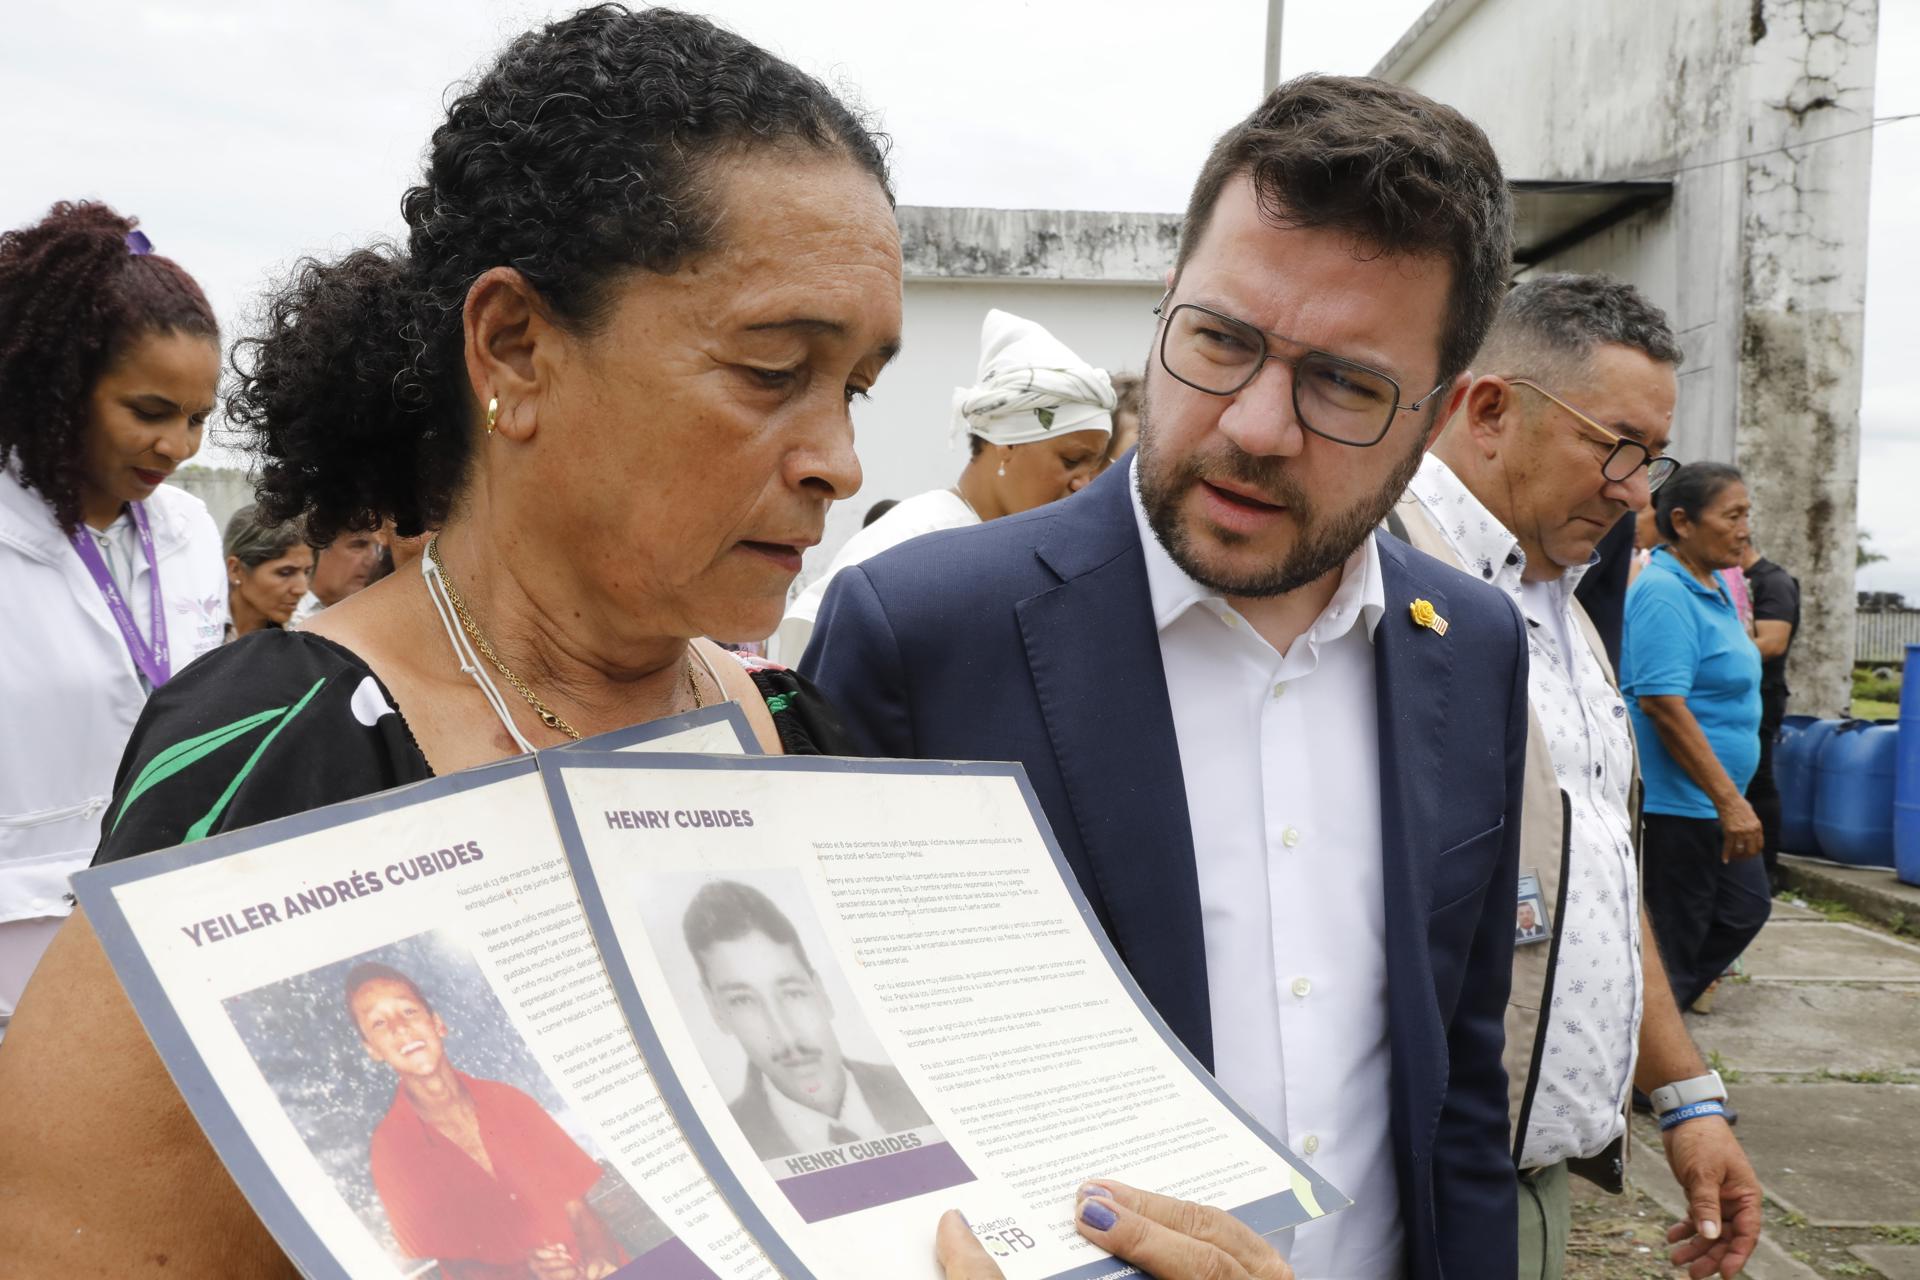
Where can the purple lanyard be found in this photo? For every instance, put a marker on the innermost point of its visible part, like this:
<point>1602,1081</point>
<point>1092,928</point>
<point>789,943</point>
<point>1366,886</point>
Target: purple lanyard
<point>150,658</point>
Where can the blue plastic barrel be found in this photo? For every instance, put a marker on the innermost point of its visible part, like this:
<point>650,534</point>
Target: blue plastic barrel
<point>1793,757</point>
<point>1906,786</point>
<point>1853,793</point>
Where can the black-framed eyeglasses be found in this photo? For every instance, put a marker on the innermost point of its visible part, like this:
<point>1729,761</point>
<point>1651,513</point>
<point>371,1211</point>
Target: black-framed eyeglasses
<point>1626,457</point>
<point>1333,397</point>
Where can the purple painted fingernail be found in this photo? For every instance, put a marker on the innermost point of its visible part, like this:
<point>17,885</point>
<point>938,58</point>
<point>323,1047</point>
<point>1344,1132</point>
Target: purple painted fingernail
<point>1089,1191</point>
<point>1098,1215</point>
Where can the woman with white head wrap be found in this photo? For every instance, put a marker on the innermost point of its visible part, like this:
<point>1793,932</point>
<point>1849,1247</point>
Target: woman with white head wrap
<point>1037,419</point>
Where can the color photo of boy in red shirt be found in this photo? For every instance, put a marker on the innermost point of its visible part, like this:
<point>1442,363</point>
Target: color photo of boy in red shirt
<point>473,1173</point>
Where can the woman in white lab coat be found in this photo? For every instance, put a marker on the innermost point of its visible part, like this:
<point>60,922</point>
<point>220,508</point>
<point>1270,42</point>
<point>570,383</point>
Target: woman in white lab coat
<point>110,580</point>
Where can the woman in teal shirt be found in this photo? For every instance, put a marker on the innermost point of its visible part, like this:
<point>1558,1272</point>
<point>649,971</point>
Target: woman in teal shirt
<point>1692,676</point>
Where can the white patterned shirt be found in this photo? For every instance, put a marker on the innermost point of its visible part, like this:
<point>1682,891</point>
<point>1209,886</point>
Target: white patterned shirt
<point>1593,1018</point>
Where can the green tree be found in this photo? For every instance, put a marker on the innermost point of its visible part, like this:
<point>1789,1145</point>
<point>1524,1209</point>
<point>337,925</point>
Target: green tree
<point>1864,554</point>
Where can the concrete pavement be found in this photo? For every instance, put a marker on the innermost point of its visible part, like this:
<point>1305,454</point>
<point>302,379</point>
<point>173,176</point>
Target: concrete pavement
<point>1820,1046</point>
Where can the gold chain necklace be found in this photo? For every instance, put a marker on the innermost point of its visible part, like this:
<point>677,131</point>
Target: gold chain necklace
<point>548,716</point>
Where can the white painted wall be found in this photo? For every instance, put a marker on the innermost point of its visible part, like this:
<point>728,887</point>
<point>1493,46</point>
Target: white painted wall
<point>903,432</point>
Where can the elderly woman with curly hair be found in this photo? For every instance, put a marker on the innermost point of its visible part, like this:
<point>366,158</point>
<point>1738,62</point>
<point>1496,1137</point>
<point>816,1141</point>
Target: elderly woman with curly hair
<point>648,270</point>
<point>109,361</point>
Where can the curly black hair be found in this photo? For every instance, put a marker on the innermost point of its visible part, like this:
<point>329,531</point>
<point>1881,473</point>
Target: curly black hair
<point>580,154</point>
<point>73,295</point>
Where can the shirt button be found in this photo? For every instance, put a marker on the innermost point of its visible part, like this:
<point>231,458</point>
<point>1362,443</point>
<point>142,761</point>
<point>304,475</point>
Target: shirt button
<point>1301,987</point>
<point>1279,689</point>
<point>1310,1144</point>
<point>1290,837</point>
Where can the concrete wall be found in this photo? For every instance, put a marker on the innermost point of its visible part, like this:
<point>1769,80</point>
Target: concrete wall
<point>224,489</point>
<point>1760,260</point>
<point>1803,314</point>
<point>1057,245</point>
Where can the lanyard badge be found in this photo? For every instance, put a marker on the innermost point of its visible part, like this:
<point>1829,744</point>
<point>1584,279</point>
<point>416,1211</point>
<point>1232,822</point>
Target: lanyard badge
<point>1531,923</point>
<point>151,658</point>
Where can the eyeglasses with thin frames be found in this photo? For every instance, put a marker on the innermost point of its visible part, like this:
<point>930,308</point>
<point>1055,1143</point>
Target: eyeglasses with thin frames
<point>1626,456</point>
<point>1333,397</point>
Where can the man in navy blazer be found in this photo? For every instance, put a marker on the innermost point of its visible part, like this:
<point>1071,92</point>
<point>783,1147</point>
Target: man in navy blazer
<point>1282,756</point>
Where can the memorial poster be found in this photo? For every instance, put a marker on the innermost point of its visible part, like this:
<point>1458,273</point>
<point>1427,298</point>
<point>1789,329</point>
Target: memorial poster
<point>871,991</point>
<point>324,988</point>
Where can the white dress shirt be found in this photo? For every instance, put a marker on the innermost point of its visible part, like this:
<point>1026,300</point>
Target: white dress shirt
<point>1280,756</point>
<point>812,1130</point>
<point>1579,1106</point>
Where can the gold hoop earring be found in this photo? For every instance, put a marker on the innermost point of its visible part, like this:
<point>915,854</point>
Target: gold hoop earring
<point>493,413</point>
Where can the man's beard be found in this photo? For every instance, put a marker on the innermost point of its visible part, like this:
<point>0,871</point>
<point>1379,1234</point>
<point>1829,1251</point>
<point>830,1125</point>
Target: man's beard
<point>1322,545</point>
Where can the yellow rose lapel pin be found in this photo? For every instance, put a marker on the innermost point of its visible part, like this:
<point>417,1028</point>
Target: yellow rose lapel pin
<point>1424,616</point>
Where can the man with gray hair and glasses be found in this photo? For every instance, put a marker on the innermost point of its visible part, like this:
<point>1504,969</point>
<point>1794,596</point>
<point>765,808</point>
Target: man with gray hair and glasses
<point>1562,432</point>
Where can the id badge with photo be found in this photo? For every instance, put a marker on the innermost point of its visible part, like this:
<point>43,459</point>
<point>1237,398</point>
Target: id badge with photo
<point>1531,924</point>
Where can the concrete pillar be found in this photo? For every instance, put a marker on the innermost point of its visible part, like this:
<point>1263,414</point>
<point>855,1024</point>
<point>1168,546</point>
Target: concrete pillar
<point>224,489</point>
<point>1803,295</point>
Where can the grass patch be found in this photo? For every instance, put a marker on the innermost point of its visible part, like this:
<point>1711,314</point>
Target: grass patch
<point>1874,698</point>
<point>1896,923</point>
<point>1868,1077</point>
<point>1838,912</point>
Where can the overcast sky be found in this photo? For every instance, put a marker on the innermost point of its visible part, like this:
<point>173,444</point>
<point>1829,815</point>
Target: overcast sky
<point>246,134</point>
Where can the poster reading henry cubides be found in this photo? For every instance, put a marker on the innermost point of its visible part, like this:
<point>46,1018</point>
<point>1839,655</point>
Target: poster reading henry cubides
<point>873,996</point>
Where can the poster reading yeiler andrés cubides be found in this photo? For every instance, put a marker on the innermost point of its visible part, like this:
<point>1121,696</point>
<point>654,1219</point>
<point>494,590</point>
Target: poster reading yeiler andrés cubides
<point>393,1023</point>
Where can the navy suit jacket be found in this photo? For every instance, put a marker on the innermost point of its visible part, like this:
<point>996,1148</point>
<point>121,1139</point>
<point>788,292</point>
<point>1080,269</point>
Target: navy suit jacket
<point>1031,638</point>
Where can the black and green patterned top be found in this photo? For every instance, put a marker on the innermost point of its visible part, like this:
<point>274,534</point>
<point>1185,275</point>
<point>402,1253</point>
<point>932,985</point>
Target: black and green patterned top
<point>281,722</point>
